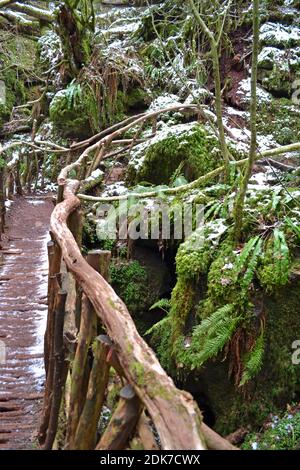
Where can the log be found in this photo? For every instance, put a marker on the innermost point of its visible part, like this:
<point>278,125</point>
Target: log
<point>86,433</point>
<point>123,421</point>
<point>85,437</point>
<point>279,165</point>
<point>2,202</point>
<point>168,407</point>
<point>214,441</point>
<point>54,261</point>
<point>59,376</point>
<point>5,3</point>
<point>30,10</point>
<point>21,23</point>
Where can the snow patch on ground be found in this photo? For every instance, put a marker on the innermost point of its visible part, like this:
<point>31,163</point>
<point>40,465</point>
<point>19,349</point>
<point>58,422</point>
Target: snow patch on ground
<point>244,93</point>
<point>276,34</point>
<point>115,189</point>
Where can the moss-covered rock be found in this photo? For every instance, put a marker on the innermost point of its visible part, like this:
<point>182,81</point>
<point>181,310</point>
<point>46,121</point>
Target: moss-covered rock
<point>278,69</point>
<point>18,55</point>
<point>191,146</point>
<point>277,384</point>
<point>230,307</point>
<point>279,59</point>
<point>281,119</point>
<point>78,110</point>
<point>68,112</point>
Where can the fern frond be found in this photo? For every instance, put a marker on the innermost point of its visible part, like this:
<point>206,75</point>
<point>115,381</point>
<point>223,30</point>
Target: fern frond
<point>281,257</point>
<point>211,321</point>
<point>252,265</point>
<point>210,337</point>
<point>254,360</point>
<point>293,226</point>
<point>242,259</point>
<point>163,304</point>
<point>73,94</point>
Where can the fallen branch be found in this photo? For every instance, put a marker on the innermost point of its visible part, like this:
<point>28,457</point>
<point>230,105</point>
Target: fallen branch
<point>108,139</point>
<point>32,11</point>
<point>194,184</point>
<point>5,3</point>
<point>278,165</point>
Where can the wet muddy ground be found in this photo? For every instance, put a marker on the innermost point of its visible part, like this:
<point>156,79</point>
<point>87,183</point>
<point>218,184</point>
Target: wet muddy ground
<point>23,310</point>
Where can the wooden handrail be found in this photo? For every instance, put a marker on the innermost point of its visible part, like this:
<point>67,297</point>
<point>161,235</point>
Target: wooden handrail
<point>169,408</point>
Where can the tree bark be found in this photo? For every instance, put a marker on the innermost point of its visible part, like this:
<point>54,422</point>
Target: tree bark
<point>54,259</point>
<point>80,371</point>
<point>85,438</point>
<point>239,206</point>
<point>59,376</point>
<point>122,423</point>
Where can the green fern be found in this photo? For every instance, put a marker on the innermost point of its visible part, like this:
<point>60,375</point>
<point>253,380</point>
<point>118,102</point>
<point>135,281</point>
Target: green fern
<point>281,257</point>
<point>252,265</point>
<point>210,337</point>
<point>243,257</point>
<point>73,95</point>
<point>163,304</point>
<point>295,228</point>
<point>254,360</point>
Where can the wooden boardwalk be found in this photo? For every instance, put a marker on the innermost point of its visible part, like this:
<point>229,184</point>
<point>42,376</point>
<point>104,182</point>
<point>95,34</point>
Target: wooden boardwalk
<point>23,311</point>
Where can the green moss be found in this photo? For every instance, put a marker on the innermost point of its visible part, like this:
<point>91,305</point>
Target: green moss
<point>68,113</point>
<point>18,62</point>
<point>135,98</point>
<point>275,267</point>
<point>89,235</point>
<point>195,255</point>
<point>129,279</point>
<point>137,370</point>
<point>191,146</point>
<point>182,303</point>
<point>280,118</point>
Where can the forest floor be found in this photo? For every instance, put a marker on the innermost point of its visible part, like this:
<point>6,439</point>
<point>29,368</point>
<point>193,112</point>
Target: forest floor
<point>23,310</point>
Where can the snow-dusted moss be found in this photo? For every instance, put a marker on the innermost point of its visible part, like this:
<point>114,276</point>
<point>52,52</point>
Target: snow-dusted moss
<point>278,69</point>
<point>191,145</point>
<point>69,114</point>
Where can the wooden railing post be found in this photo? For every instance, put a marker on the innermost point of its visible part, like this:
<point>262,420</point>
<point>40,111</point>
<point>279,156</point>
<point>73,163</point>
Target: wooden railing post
<point>83,426</point>
<point>54,260</point>
<point>86,433</point>
<point>59,370</point>
<point>123,421</point>
<point>80,373</point>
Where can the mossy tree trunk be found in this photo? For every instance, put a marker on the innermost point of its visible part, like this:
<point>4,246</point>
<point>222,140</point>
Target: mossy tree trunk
<point>76,22</point>
<point>239,207</point>
<point>214,44</point>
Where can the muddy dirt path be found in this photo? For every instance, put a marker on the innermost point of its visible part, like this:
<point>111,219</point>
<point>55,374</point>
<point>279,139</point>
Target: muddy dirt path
<point>23,309</point>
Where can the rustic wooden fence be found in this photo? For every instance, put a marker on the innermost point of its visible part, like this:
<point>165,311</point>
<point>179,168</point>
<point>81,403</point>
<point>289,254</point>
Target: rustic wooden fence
<point>151,412</point>
<point>91,339</point>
